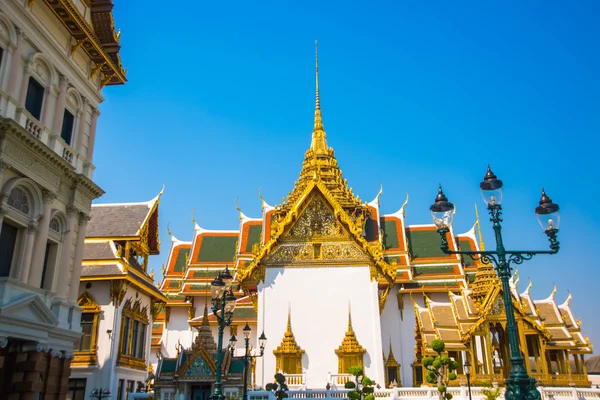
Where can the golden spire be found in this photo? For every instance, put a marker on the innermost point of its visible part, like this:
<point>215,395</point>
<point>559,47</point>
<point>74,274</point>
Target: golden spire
<point>319,144</point>
<point>350,329</point>
<point>478,224</point>
<point>288,329</point>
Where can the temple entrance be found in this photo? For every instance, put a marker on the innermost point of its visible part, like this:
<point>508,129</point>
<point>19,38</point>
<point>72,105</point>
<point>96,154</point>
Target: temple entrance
<point>201,392</point>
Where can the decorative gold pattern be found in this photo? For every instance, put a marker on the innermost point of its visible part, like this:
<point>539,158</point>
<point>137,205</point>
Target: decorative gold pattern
<point>89,305</point>
<point>118,288</point>
<point>317,220</point>
<point>350,353</point>
<point>288,356</point>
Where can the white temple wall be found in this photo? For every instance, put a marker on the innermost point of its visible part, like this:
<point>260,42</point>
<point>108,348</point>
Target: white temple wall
<point>319,299</point>
<point>394,328</point>
<point>177,331</point>
<point>407,357</point>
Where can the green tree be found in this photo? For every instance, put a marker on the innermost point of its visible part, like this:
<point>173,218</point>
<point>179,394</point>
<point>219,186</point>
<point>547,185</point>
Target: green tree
<point>279,387</point>
<point>362,385</point>
<point>441,369</point>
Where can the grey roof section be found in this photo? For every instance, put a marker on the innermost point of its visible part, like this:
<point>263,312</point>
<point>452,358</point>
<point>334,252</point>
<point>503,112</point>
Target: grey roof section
<point>592,365</point>
<point>101,270</point>
<point>98,251</point>
<point>117,220</point>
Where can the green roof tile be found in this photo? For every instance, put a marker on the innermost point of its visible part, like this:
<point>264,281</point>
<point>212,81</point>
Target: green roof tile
<point>244,312</point>
<point>465,245</point>
<point>254,236</point>
<point>432,269</point>
<point>371,229</point>
<point>180,261</point>
<point>173,284</point>
<point>424,244</point>
<point>168,365</point>
<point>390,234</point>
<point>236,366</point>
<point>217,249</point>
<point>211,273</point>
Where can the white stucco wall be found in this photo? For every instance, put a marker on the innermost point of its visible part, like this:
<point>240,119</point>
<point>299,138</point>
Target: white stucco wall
<point>319,300</point>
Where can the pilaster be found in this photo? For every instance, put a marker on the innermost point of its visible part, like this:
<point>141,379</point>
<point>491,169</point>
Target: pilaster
<point>59,110</point>
<point>76,274</point>
<point>39,250</point>
<point>92,139</point>
<point>27,252</point>
<point>15,62</point>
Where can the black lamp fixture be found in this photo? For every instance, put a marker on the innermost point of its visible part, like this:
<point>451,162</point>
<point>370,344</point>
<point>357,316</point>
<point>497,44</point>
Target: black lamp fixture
<point>262,341</point>
<point>519,385</point>
<point>467,371</point>
<point>100,393</point>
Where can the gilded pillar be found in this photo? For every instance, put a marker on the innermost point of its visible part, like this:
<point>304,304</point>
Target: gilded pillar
<point>27,252</point>
<point>76,274</point>
<point>59,110</point>
<point>41,241</point>
<point>15,64</point>
<point>65,255</point>
<point>92,137</point>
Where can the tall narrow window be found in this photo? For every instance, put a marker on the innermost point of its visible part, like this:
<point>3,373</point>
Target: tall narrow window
<point>8,240</point>
<point>134,341</point>
<point>35,98</point>
<point>76,389</point>
<point>125,336</point>
<point>120,389</point>
<point>66,132</point>
<point>1,56</point>
<point>142,340</point>
<point>87,326</point>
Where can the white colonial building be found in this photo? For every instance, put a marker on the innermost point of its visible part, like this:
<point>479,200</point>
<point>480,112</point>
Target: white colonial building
<point>118,297</point>
<point>55,59</point>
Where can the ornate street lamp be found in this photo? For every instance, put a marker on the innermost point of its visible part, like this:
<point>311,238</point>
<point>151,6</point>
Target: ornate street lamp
<point>518,385</point>
<point>467,370</point>
<point>100,393</point>
<point>223,304</point>
<point>262,341</point>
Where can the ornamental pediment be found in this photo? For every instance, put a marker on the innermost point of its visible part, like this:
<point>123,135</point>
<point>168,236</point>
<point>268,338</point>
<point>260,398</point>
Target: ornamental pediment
<point>316,223</point>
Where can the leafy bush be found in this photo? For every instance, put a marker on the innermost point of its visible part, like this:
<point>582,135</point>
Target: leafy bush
<point>440,370</point>
<point>367,389</point>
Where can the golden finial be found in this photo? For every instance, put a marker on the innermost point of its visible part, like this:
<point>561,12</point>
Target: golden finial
<point>262,200</point>
<point>529,286</point>
<point>404,205</point>
<point>569,297</point>
<point>518,277</point>
<point>380,192</point>
<point>237,207</point>
<point>119,35</point>
<point>161,191</point>
<point>350,330</point>
<point>478,224</point>
<point>193,219</point>
<point>152,274</point>
<point>553,290</point>
<point>169,231</point>
<point>319,143</point>
<point>164,270</point>
<point>288,329</point>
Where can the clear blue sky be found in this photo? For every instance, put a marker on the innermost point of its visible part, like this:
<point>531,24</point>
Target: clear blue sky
<point>220,101</point>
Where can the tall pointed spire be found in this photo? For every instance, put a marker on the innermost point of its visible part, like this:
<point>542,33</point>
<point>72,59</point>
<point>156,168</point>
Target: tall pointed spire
<point>319,143</point>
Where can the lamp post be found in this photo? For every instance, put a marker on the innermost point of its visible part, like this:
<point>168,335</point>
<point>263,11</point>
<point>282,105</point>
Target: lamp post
<point>100,393</point>
<point>467,370</point>
<point>519,386</point>
<point>262,341</point>
<point>223,304</point>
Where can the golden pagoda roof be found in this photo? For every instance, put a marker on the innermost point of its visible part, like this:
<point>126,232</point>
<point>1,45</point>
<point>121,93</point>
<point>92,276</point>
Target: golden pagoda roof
<point>288,344</point>
<point>350,344</point>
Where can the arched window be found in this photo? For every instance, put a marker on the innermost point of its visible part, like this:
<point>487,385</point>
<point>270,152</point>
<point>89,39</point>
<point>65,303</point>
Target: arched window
<point>19,200</point>
<point>55,225</point>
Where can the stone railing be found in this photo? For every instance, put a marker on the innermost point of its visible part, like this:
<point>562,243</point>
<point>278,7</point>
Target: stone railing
<point>295,381</point>
<point>31,124</point>
<point>429,393</point>
<point>337,381</point>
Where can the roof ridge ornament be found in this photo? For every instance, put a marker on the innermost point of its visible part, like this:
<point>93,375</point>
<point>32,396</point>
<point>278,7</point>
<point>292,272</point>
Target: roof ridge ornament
<point>319,142</point>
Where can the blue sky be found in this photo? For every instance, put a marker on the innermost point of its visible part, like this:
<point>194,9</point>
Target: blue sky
<point>220,101</point>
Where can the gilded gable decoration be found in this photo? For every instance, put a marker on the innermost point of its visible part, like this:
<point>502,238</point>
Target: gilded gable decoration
<point>118,288</point>
<point>135,310</point>
<point>85,349</point>
<point>288,355</point>
<point>392,369</point>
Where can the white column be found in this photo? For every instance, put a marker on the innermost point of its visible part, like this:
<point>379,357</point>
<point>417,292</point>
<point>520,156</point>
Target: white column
<point>59,110</point>
<point>82,116</point>
<point>41,240</point>
<point>65,255</point>
<point>25,82</point>
<point>15,63</point>
<point>48,106</point>
<point>90,149</point>
<point>76,274</point>
<point>27,252</point>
